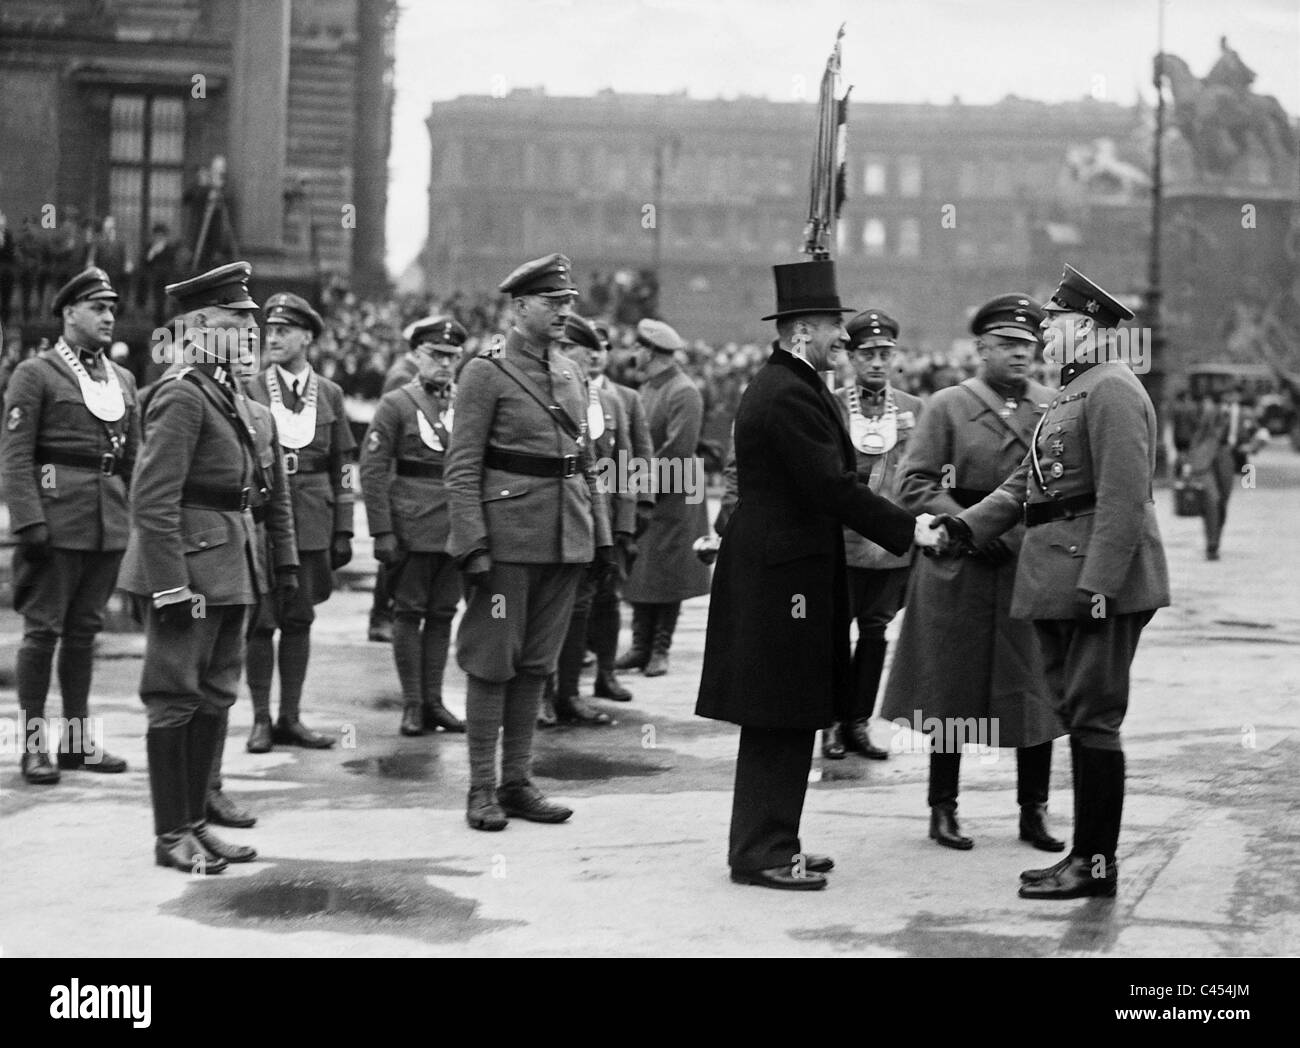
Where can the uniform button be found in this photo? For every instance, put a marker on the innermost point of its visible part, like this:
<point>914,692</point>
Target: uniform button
<point>505,491</point>
<point>1074,549</point>
<point>203,542</point>
<point>1054,403</point>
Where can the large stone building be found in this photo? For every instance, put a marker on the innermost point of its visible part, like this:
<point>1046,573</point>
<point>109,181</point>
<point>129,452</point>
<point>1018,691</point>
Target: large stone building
<point>128,107</point>
<point>947,205</point>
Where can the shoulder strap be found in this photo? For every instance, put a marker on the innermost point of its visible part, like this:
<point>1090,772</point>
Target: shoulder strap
<point>979,389</point>
<point>561,417</point>
<point>232,416</point>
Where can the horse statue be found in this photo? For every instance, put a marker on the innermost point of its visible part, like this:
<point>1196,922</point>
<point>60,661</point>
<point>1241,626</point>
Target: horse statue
<point>1221,119</point>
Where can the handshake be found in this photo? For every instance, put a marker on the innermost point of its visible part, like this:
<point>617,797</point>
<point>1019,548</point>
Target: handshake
<point>943,535</point>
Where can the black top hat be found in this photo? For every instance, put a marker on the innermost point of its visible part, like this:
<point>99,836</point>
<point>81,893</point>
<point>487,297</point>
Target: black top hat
<point>806,287</point>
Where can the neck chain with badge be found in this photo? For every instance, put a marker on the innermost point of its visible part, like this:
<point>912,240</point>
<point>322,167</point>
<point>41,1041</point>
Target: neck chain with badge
<point>436,435</point>
<point>873,436</point>
<point>104,399</point>
<point>595,413</point>
<point>298,427</point>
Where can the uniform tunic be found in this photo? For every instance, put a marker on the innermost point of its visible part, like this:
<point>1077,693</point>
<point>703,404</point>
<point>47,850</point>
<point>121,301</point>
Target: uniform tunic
<point>988,664</point>
<point>667,569</point>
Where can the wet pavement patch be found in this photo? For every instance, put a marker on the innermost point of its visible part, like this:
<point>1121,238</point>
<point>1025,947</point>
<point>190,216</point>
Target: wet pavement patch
<point>567,766</point>
<point>930,935</point>
<point>404,764</point>
<point>359,898</point>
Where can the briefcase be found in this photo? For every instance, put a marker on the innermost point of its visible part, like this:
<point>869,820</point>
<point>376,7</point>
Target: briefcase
<point>1188,498</point>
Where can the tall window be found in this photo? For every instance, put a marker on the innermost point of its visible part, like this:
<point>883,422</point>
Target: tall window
<point>909,176</point>
<point>909,238</point>
<point>873,176</point>
<point>873,237</point>
<point>146,155</point>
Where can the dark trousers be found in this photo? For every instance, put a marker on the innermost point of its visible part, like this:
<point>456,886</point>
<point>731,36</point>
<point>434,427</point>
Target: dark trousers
<point>192,669</point>
<point>875,597</point>
<point>569,667</point>
<point>771,780</point>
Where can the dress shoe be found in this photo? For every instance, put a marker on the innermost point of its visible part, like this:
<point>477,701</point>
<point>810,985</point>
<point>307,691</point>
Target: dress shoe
<point>39,770</point>
<point>546,715</point>
<point>1033,828</point>
<point>832,743</point>
<point>944,828</point>
<point>658,664</point>
<point>182,851</point>
<point>219,849</point>
<point>576,710</point>
<point>436,715</point>
<point>783,878</point>
<point>1074,880</point>
<point>482,811</point>
<point>526,801</point>
<point>259,739</point>
<point>96,760</point>
<point>857,739</point>
<point>412,719</point>
<point>296,733</point>
<point>818,863</point>
<point>632,659</point>
<point>1033,876</point>
<point>225,812</point>
<point>381,632</point>
<point>607,686</point>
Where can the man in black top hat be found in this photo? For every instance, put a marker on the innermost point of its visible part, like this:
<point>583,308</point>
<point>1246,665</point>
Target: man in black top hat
<point>776,657</point>
<point>72,428</point>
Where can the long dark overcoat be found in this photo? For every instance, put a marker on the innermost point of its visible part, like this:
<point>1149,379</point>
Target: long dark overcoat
<point>777,650</point>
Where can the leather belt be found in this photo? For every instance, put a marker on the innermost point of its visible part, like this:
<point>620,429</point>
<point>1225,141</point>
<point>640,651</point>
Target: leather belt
<point>1045,512</point>
<point>967,497</point>
<point>294,464</point>
<point>226,500</point>
<point>411,468</point>
<point>107,463</point>
<point>531,465</point>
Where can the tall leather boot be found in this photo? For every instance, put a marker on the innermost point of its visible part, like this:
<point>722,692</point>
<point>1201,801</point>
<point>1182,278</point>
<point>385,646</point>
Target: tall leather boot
<point>259,668</point>
<point>294,654</point>
<point>1033,778</point>
<point>217,806</point>
<point>570,707</point>
<point>868,665</point>
<point>945,773</point>
<point>643,626</point>
<point>169,788</point>
<point>408,654</point>
<point>205,738</point>
<point>1090,870</point>
<point>32,668</point>
<point>602,637</point>
<point>435,640</point>
<point>662,638</point>
<point>76,666</point>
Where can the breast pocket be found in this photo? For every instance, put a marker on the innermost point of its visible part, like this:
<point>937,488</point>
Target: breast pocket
<point>507,490</point>
<point>1069,537</point>
<point>206,539</point>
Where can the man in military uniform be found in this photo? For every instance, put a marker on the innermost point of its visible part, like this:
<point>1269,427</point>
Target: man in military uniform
<point>72,429</point>
<point>1092,567</point>
<point>318,450</point>
<point>402,464</point>
<point>988,670</point>
<point>196,556</point>
<point>667,570</point>
<point>605,621</point>
<point>526,518</point>
<point>880,421</point>
<point>434,330</point>
<point>273,518</point>
<point>607,434</point>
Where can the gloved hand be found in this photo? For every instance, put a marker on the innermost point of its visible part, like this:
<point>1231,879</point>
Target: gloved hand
<point>645,511</point>
<point>475,571</point>
<point>1090,609</point>
<point>35,540</point>
<point>386,548</point>
<point>960,538</point>
<point>340,550</point>
<point>627,550</point>
<point>286,588</point>
<point>706,548</point>
<point>606,565</point>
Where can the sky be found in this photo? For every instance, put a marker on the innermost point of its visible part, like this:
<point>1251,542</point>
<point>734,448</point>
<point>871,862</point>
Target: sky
<point>894,51</point>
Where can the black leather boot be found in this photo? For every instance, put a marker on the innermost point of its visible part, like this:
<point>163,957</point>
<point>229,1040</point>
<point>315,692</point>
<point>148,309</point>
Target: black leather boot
<point>259,738</point>
<point>832,743</point>
<point>293,656</point>
<point>175,845</point>
<point>643,625</point>
<point>435,640</point>
<point>868,664</point>
<point>37,768</point>
<point>1033,775</point>
<point>574,709</point>
<point>207,741</point>
<point>482,811</point>
<point>525,801</point>
<point>945,772</point>
<point>602,638</point>
<point>408,655</point>
<point>662,639</point>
